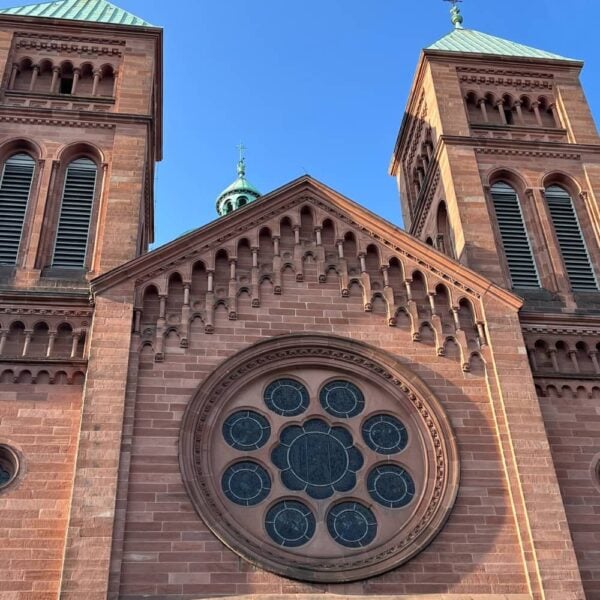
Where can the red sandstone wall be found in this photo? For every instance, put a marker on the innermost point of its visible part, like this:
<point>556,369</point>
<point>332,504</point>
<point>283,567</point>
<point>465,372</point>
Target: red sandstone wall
<point>42,423</point>
<point>573,425</point>
<point>169,552</point>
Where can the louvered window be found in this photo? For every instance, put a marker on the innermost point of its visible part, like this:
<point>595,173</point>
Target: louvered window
<point>515,240</point>
<point>75,214</point>
<point>14,196</point>
<point>570,239</point>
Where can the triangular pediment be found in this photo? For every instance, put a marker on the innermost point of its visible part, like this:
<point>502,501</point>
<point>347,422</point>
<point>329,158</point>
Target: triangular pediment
<point>289,251</point>
<point>325,204</point>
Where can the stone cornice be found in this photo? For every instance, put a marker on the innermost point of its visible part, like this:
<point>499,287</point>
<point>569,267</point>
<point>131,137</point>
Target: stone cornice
<point>526,145</point>
<point>59,298</point>
<point>81,39</point>
<point>560,324</point>
<point>70,118</point>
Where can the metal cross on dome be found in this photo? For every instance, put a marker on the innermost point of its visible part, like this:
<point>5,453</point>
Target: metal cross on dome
<point>242,148</point>
<point>241,168</point>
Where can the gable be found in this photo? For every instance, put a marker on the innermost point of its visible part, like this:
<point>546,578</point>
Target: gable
<point>308,234</point>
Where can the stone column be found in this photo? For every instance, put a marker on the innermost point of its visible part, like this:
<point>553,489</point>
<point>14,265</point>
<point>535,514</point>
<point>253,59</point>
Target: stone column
<point>51,340</point>
<point>54,83</point>
<point>13,76</point>
<point>97,75</point>
<point>76,75</point>
<point>483,107</point>
<point>27,343</point>
<point>35,71</point>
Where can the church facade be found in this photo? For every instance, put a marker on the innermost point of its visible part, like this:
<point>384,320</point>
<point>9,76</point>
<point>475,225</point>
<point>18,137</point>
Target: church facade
<point>298,399</point>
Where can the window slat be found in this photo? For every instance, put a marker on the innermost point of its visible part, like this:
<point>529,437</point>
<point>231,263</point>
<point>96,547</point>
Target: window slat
<point>75,214</point>
<point>515,240</point>
<point>570,240</point>
<point>15,189</point>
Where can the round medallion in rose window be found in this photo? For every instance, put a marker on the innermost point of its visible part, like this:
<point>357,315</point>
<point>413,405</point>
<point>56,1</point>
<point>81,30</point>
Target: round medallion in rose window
<point>319,458</point>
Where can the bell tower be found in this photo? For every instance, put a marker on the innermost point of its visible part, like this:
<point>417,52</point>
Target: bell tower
<point>498,165</point>
<point>80,133</point>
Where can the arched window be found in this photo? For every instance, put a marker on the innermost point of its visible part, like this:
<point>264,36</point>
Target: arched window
<point>15,189</point>
<point>444,240</point>
<point>570,239</point>
<point>75,215</point>
<point>515,240</point>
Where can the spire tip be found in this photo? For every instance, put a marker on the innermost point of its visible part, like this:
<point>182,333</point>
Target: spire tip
<point>455,15</point>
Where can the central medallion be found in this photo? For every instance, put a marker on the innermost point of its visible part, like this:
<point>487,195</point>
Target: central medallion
<point>317,458</point>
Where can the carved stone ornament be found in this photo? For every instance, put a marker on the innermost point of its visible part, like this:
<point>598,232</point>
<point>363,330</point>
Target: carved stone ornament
<point>319,458</point>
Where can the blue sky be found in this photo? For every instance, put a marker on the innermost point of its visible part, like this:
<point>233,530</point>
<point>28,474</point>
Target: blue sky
<point>317,86</point>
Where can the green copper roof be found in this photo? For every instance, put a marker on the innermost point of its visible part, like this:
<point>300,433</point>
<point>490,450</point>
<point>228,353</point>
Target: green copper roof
<point>475,42</point>
<point>97,11</point>
<point>239,193</point>
<point>240,185</point>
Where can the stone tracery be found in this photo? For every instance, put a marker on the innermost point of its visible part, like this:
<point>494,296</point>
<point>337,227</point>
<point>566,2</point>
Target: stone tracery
<point>320,479</point>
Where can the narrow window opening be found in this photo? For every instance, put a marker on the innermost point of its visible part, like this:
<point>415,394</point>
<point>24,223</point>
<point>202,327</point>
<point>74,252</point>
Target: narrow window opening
<point>15,189</point>
<point>66,85</point>
<point>570,240</point>
<point>517,248</point>
<point>75,214</point>
<point>510,118</point>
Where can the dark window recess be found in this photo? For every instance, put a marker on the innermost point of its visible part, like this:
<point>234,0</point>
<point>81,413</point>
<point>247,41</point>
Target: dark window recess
<point>9,466</point>
<point>508,113</point>
<point>66,85</point>
<point>15,188</point>
<point>570,239</point>
<point>515,240</point>
<point>75,215</point>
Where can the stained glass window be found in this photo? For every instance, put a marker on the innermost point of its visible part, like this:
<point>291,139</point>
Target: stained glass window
<point>290,523</point>
<point>391,486</point>
<point>385,434</point>
<point>317,459</point>
<point>4,476</point>
<point>287,397</point>
<point>342,399</point>
<point>246,430</point>
<point>246,483</point>
<point>351,524</point>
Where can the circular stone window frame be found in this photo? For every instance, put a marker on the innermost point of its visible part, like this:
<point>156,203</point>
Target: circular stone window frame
<point>302,350</point>
<point>595,471</point>
<point>9,457</point>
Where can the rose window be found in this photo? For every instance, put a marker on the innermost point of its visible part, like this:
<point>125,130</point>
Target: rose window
<point>317,458</point>
<point>325,467</point>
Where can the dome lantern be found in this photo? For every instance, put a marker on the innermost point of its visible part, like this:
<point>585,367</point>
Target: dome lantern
<point>239,193</point>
